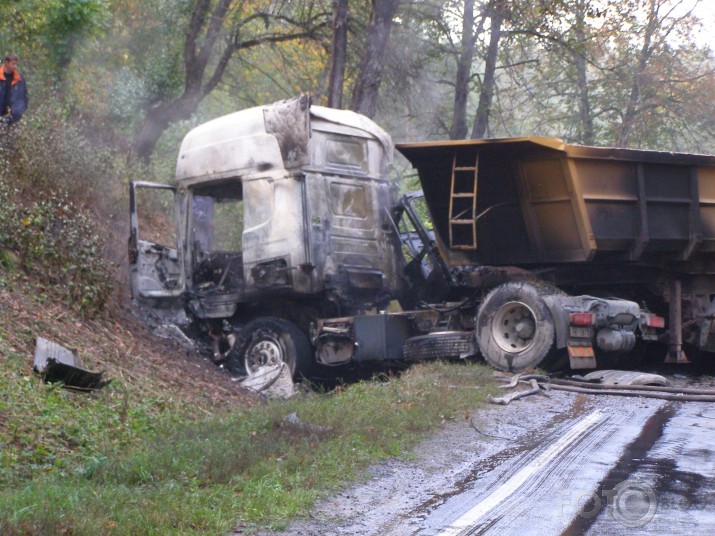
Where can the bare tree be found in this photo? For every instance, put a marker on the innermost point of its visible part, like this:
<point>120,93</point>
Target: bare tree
<point>364,98</point>
<point>459,127</point>
<point>212,38</point>
<point>646,51</point>
<point>497,10</point>
<point>339,53</point>
<point>579,54</point>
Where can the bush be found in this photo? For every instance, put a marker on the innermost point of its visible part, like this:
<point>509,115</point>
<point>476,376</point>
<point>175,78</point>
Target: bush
<point>62,199</point>
<point>47,152</point>
<point>60,245</point>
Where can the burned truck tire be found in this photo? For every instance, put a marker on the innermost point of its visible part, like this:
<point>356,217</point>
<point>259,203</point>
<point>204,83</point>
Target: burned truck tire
<point>439,345</point>
<point>269,341</point>
<point>515,329</point>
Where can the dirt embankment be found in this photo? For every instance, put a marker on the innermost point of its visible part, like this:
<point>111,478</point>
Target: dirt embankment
<point>118,343</point>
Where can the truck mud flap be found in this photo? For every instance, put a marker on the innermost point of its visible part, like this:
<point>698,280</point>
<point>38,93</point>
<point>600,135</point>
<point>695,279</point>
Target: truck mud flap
<point>581,357</point>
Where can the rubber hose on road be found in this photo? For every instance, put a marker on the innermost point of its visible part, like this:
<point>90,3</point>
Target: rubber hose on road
<point>641,394</point>
<point>654,388</point>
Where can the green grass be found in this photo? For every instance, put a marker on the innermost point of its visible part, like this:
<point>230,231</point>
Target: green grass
<point>46,430</point>
<point>142,467</point>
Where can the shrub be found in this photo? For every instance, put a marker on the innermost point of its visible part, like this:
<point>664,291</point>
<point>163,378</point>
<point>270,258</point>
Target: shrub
<point>62,199</point>
<point>60,245</point>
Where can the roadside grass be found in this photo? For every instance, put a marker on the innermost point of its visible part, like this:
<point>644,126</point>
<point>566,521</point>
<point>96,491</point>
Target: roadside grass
<point>171,472</point>
<point>45,429</point>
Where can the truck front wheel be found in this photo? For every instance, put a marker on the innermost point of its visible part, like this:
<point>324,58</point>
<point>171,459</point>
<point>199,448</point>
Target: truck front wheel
<point>515,329</point>
<point>269,341</point>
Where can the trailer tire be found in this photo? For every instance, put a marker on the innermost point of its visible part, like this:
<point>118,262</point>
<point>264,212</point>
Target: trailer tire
<point>515,329</point>
<point>439,345</point>
<point>267,341</point>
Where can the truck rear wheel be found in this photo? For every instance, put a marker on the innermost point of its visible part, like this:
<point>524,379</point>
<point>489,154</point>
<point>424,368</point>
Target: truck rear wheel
<point>269,341</point>
<point>515,329</point>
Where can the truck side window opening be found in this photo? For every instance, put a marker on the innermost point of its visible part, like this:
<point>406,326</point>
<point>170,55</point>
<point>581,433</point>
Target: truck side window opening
<point>217,223</point>
<point>348,200</point>
<point>347,153</point>
<point>155,216</point>
<point>216,232</point>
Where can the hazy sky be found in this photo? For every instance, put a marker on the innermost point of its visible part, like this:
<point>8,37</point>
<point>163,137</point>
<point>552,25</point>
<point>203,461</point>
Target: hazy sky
<point>706,12</point>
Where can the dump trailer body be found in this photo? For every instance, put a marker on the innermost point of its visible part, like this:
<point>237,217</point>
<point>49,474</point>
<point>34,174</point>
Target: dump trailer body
<point>535,201</point>
<point>629,223</point>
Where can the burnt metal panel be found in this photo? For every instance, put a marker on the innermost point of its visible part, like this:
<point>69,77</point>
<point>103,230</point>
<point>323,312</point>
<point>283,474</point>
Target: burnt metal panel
<point>353,248</point>
<point>289,122</point>
<point>380,337</point>
<point>58,364</point>
<point>274,218</point>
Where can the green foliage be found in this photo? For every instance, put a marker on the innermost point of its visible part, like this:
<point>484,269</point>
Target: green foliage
<point>55,189</point>
<point>47,32</point>
<point>60,245</point>
<point>47,430</point>
<point>8,259</point>
<point>206,476</point>
<point>66,22</point>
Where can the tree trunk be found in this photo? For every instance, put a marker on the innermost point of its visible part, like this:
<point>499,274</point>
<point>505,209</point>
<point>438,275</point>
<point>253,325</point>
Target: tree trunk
<point>364,99</point>
<point>481,120</point>
<point>632,111</point>
<point>584,104</point>
<point>339,55</point>
<point>206,29</point>
<point>158,119</point>
<point>464,70</point>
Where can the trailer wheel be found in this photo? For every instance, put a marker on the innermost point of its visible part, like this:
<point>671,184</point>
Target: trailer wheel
<point>514,327</point>
<point>439,345</point>
<point>269,341</point>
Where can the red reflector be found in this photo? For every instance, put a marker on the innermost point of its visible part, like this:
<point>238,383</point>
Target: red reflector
<point>655,322</point>
<point>581,319</point>
<point>581,351</point>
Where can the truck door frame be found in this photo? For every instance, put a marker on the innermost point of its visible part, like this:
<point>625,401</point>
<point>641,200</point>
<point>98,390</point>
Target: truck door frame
<point>157,271</point>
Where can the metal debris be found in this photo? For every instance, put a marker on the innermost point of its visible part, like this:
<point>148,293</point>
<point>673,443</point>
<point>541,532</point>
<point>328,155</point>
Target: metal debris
<point>58,364</point>
<point>625,377</point>
<point>272,381</point>
<point>635,391</point>
<point>504,400</point>
<point>173,332</point>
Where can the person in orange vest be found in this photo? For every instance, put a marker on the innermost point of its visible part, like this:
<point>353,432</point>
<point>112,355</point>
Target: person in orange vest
<point>13,91</point>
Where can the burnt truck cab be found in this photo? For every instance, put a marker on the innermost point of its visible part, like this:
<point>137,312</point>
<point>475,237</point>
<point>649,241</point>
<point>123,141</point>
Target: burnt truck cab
<point>278,211</point>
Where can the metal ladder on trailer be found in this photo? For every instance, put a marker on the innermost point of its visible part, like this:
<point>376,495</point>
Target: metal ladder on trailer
<point>463,204</point>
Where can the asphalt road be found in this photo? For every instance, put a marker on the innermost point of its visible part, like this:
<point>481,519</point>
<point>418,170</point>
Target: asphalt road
<point>566,464</point>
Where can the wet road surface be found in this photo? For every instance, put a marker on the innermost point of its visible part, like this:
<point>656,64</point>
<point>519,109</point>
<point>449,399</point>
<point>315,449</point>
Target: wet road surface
<point>563,465</point>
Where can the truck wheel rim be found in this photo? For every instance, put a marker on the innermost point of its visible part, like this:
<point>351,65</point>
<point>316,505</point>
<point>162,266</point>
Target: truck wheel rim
<point>514,327</point>
<point>266,352</point>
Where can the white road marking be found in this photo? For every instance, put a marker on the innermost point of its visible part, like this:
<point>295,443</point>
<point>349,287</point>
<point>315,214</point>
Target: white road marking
<point>478,511</point>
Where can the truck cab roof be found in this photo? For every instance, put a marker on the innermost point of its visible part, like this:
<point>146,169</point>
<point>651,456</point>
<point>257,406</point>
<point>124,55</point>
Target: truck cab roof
<point>267,141</point>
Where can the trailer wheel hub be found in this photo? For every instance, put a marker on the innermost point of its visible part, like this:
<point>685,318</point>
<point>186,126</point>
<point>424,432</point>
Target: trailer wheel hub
<point>514,327</point>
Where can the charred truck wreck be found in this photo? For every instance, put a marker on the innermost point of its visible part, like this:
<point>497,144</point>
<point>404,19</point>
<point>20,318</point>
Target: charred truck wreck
<point>288,242</point>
